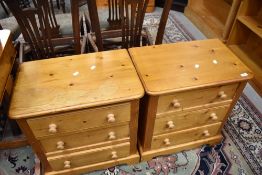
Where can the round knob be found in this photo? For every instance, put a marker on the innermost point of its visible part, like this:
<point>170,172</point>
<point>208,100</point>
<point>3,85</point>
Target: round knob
<point>67,164</point>
<point>60,145</point>
<point>222,95</point>
<point>213,116</point>
<point>114,154</point>
<point>111,135</point>
<point>52,128</point>
<point>206,133</point>
<point>170,124</point>
<point>176,104</point>
<point>111,118</point>
<point>167,141</point>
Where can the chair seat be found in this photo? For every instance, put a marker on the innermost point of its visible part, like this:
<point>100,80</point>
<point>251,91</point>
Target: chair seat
<point>11,24</point>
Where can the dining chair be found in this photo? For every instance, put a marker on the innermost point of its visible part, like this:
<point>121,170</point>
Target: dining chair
<point>131,34</point>
<point>114,20</point>
<point>61,3</point>
<point>131,14</point>
<point>41,31</point>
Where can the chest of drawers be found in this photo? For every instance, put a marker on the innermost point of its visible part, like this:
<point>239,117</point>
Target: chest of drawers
<point>191,88</point>
<point>80,113</point>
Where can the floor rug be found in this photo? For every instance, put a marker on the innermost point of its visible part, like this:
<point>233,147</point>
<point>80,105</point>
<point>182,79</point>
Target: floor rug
<point>240,152</point>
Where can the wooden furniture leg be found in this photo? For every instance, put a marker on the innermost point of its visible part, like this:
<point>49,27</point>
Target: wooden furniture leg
<point>163,20</point>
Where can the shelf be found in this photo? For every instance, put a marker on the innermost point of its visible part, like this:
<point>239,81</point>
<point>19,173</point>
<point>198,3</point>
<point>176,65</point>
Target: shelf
<point>252,23</point>
<point>251,60</point>
<point>213,17</point>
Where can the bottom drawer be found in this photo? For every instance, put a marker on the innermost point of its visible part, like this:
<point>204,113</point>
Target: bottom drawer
<point>89,157</point>
<point>184,136</point>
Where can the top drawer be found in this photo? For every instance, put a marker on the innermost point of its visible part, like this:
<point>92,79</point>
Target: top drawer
<point>79,120</point>
<point>188,99</point>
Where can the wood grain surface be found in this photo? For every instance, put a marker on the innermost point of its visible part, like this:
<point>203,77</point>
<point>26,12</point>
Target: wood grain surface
<point>187,65</point>
<point>74,82</point>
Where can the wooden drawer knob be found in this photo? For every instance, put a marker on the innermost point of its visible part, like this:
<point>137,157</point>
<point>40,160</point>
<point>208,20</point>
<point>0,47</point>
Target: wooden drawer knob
<point>111,135</point>
<point>176,104</point>
<point>111,118</point>
<point>114,154</point>
<point>206,133</point>
<point>67,164</point>
<point>222,95</point>
<point>60,145</point>
<point>167,141</point>
<point>52,128</point>
<point>170,124</point>
<point>213,116</point>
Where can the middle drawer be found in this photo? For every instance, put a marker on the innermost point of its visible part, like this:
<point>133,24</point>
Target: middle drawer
<point>52,144</point>
<point>182,120</point>
<point>79,120</point>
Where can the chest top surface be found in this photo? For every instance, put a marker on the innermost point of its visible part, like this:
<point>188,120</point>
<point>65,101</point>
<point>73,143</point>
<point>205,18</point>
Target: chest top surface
<point>187,65</point>
<point>74,82</point>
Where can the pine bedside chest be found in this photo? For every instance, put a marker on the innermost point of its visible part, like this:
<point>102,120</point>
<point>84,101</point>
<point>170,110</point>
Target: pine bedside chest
<point>191,88</point>
<point>80,112</point>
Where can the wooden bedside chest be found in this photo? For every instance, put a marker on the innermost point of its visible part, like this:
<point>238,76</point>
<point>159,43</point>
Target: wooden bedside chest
<point>191,88</point>
<point>79,113</point>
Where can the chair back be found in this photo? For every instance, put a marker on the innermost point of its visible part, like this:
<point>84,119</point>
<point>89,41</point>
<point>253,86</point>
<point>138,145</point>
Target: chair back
<point>114,18</point>
<point>132,13</point>
<point>38,25</point>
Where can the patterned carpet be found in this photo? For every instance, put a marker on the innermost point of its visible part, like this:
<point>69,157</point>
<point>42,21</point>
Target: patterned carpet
<point>240,152</point>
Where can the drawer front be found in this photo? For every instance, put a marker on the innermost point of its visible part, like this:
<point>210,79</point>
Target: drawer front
<point>194,98</point>
<point>60,143</point>
<point>183,120</point>
<point>184,136</point>
<point>88,157</point>
<point>79,120</point>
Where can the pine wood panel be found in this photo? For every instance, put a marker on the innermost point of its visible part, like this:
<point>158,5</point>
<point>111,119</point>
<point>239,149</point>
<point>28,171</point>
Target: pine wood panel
<point>74,82</point>
<point>246,37</point>
<point>194,98</point>
<point>80,120</point>
<point>198,64</point>
<point>184,136</point>
<point>7,57</point>
<point>252,23</point>
<point>89,156</point>
<point>85,138</point>
<point>184,120</point>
